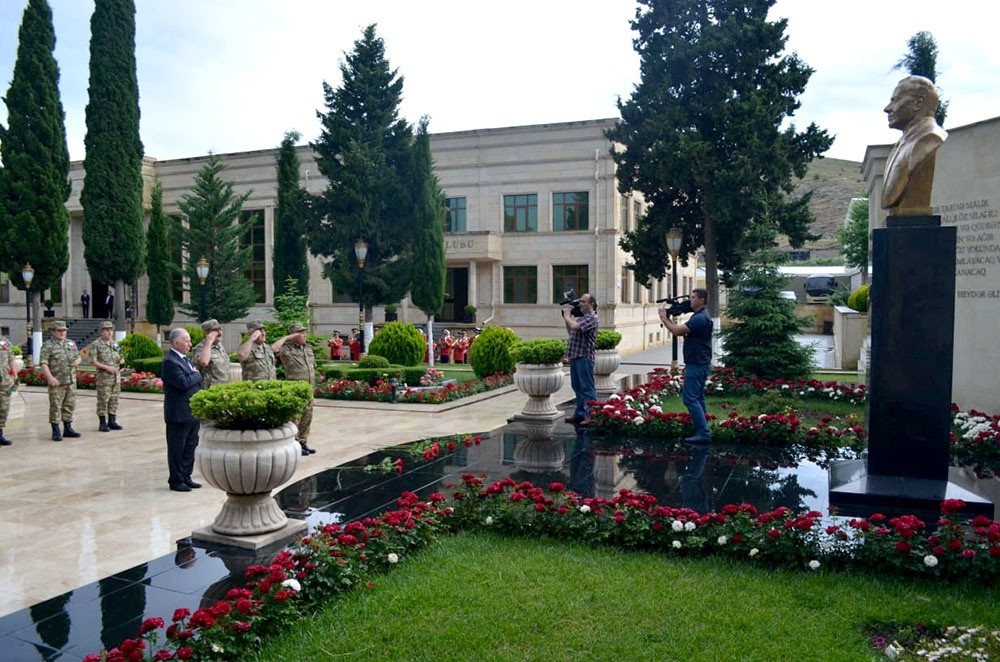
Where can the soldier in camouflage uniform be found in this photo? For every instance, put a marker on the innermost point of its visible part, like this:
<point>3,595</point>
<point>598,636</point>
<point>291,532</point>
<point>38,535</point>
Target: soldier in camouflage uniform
<point>8,380</point>
<point>256,357</point>
<point>300,364</point>
<point>210,357</point>
<point>59,358</point>
<point>106,357</point>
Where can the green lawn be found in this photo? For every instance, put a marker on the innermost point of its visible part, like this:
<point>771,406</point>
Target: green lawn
<point>479,597</point>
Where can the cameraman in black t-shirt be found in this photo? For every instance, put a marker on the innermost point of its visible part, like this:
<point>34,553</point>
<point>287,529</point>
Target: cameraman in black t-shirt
<point>697,332</point>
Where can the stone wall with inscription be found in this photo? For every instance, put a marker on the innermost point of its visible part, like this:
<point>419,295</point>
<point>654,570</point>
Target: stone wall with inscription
<point>967,195</point>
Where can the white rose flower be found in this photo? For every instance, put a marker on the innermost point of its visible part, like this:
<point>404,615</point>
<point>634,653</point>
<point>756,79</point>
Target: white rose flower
<point>489,520</point>
<point>676,544</point>
<point>638,420</point>
<point>689,526</point>
<point>584,509</point>
<point>293,584</point>
<point>655,409</point>
<point>393,558</point>
<point>930,561</point>
<point>754,552</point>
<point>677,526</point>
<point>814,565</point>
<point>893,650</point>
<point>722,540</point>
<point>614,396</point>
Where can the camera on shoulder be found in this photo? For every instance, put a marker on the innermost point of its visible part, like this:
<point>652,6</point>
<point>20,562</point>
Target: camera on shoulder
<point>677,305</point>
<point>570,299</point>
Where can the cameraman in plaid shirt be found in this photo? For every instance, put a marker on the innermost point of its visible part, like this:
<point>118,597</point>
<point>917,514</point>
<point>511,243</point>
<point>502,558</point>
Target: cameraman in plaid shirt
<point>582,340</point>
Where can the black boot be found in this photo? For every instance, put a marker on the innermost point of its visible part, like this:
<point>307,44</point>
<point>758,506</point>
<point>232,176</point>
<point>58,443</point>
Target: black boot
<point>113,422</point>
<point>4,441</point>
<point>104,424</point>
<point>68,430</point>
<point>56,434</point>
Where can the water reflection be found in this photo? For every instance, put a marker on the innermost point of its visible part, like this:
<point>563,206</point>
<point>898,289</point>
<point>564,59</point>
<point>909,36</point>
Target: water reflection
<point>581,465</point>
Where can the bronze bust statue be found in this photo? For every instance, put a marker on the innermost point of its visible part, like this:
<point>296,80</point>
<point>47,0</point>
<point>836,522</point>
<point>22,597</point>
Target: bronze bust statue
<point>909,170</point>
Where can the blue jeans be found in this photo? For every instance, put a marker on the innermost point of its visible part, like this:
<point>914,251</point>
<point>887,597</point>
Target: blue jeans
<point>581,377</point>
<point>693,395</point>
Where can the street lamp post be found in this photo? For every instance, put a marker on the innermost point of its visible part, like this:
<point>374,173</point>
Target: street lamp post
<point>361,252</point>
<point>202,270</point>
<point>674,240</point>
<point>28,275</point>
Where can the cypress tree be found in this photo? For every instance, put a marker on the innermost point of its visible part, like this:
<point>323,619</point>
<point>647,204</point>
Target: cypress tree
<point>213,230</point>
<point>289,256</point>
<point>114,246</point>
<point>34,180</point>
<point>159,301</point>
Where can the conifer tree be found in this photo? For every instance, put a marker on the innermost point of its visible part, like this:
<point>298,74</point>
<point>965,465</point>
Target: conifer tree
<point>159,299</point>
<point>703,136</point>
<point>364,151</point>
<point>34,180</point>
<point>921,60</point>
<point>114,245</point>
<point>289,255</point>
<point>212,229</point>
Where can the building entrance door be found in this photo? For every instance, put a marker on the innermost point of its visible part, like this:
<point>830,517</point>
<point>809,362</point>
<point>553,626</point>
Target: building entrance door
<point>456,294</point>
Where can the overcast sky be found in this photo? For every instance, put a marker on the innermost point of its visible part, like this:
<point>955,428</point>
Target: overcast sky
<point>234,75</point>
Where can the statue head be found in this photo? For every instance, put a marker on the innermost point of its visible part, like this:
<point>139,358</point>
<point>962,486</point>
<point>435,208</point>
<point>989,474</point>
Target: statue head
<point>914,98</point>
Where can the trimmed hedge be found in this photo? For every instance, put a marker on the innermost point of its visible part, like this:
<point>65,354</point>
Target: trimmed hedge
<point>399,343</point>
<point>489,354</point>
<point>262,405</point>
<point>153,365</point>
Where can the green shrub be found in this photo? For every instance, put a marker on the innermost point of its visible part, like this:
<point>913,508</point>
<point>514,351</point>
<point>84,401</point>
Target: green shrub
<point>197,335</point>
<point>538,351</point>
<point>607,339</point>
<point>373,375</point>
<point>259,405</point>
<point>489,354</point>
<point>15,350</point>
<point>137,346</point>
<point>374,361</point>
<point>771,401</point>
<point>334,371</point>
<point>859,299</point>
<point>400,343</point>
<point>153,365</point>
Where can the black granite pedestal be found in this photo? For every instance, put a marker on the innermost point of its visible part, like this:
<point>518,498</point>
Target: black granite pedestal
<point>909,399</point>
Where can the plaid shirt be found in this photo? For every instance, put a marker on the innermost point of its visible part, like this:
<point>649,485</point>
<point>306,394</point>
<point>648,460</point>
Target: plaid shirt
<point>583,340</point>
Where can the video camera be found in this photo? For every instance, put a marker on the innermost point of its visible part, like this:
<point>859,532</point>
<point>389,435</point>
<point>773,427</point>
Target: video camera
<point>570,299</point>
<point>678,305</point>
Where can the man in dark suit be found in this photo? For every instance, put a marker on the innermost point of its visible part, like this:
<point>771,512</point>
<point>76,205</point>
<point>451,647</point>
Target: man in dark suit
<point>180,381</point>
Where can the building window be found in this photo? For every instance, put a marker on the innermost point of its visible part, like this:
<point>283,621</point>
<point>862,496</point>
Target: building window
<point>520,213</point>
<point>570,211</point>
<point>623,211</point>
<point>520,284</point>
<point>636,213</point>
<point>569,276</point>
<point>454,220</point>
<point>626,288</point>
<point>254,239</point>
<point>4,287</point>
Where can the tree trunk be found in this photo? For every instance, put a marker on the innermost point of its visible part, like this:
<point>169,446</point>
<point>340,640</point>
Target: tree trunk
<point>430,340</point>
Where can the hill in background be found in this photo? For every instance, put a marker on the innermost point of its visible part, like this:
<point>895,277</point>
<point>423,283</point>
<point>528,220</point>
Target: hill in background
<point>833,183</point>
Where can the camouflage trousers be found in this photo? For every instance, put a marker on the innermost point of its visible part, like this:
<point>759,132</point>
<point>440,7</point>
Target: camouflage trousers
<point>108,388</point>
<point>304,423</point>
<point>62,403</point>
<point>4,406</point>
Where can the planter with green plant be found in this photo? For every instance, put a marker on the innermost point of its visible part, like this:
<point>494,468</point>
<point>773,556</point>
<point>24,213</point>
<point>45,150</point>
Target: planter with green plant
<point>607,360</point>
<point>49,306</point>
<point>538,373</point>
<point>470,314</point>
<point>390,312</point>
<point>248,447</point>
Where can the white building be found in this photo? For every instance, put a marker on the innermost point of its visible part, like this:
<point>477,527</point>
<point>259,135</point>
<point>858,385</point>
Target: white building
<point>533,211</point>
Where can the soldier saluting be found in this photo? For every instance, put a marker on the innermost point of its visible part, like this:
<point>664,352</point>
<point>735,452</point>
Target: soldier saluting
<point>210,357</point>
<point>106,357</point>
<point>59,357</point>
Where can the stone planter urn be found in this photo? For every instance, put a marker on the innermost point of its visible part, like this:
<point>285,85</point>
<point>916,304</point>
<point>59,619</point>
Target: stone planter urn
<point>539,381</point>
<point>18,364</point>
<point>247,465</point>
<point>605,364</point>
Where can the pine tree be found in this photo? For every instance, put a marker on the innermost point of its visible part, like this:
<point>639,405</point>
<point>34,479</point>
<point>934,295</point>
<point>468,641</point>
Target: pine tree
<point>114,245</point>
<point>34,180</point>
<point>703,137</point>
<point>921,60</point>
<point>289,256</point>
<point>159,300</point>
<point>213,230</point>
<point>364,151</point>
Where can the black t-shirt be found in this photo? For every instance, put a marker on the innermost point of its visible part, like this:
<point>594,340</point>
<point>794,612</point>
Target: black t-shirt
<point>698,343</point>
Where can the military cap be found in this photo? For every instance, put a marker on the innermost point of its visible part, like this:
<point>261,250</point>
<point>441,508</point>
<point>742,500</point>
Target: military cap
<point>107,324</point>
<point>253,325</point>
<point>297,328</point>
<point>59,325</point>
<point>211,325</point>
